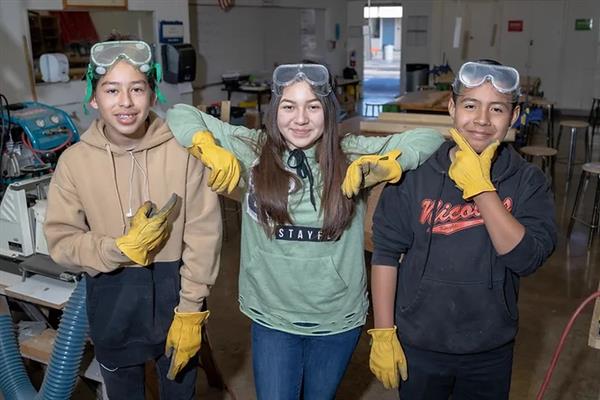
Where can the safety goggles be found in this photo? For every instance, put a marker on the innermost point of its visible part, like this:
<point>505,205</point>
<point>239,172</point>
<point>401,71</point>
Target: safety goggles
<point>316,75</point>
<point>136,52</point>
<point>504,79</point>
<point>103,55</point>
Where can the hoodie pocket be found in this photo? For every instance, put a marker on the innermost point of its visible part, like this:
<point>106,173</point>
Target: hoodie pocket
<point>306,285</point>
<point>457,318</point>
<point>134,313</point>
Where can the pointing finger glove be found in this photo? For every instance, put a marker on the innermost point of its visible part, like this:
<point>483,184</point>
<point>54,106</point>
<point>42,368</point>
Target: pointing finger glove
<point>471,171</point>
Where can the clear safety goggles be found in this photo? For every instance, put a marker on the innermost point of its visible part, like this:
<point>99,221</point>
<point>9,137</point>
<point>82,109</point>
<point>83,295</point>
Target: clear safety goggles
<point>103,55</point>
<point>504,79</point>
<point>316,75</point>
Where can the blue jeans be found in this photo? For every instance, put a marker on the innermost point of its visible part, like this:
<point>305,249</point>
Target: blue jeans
<point>286,365</point>
<point>436,376</point>
<point>128,383</point>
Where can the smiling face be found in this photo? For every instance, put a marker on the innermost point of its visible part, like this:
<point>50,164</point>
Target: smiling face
<point>123,98</point>
<point>300,116</point>
<point>482,115</point>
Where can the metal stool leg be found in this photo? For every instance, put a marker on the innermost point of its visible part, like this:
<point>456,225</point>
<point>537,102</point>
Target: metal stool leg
<point>595,214</point>
<point>576,203</point>
<point>571,158</point>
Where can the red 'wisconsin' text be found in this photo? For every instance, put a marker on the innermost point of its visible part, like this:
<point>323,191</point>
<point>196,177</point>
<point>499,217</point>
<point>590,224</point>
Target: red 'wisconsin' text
<point>453,218</point>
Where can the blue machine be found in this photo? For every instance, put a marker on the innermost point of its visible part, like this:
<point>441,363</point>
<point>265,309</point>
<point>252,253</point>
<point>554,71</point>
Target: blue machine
<point>45,127</point>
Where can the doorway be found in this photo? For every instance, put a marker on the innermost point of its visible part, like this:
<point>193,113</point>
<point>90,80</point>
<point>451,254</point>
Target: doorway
<point>382,36</point>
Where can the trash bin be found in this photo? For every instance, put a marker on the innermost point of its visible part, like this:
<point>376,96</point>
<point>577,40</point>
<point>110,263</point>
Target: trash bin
<point>416,75</point>
<point>388,52</point>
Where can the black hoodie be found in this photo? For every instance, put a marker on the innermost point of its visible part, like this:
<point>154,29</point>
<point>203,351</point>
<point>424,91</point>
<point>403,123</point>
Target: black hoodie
<point>455,294</point>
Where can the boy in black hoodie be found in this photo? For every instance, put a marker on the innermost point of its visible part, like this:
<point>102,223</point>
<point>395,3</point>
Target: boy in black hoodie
<point>468,224</point>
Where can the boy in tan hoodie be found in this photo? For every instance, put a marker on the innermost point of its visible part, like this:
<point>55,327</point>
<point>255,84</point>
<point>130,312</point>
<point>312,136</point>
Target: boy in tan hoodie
<point>148,273</point>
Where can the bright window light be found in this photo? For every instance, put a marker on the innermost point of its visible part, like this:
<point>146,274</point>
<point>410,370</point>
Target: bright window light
<point>382,12</point>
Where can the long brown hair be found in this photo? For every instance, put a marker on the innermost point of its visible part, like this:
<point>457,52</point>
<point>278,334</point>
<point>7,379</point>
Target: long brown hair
<point>272,180</point>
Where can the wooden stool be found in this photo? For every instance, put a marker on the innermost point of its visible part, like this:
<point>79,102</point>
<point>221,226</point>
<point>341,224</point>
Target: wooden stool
<point>573,125</point>
<point>587,171</point>
<point>546,154</point>
<point>373,110</point>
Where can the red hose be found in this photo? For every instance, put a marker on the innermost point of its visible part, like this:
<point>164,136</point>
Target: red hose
<point>561,343</point>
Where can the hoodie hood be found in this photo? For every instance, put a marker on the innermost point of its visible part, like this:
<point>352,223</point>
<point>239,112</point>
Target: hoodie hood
<point>157,133</point>
<point>129,196</point>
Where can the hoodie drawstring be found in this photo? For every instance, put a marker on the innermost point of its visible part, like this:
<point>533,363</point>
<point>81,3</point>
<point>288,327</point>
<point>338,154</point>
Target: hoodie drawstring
<point>116,187</point>
<point>298,161</point>
<point>432,222</point>
<point>136,163</point>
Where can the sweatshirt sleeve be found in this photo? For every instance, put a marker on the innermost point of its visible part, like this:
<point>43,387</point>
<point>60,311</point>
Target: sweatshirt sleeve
<point>70,241</point>
<point>392,236</point>
<point>201,239</point>
<point>185,121</point>
<point>534,209</point>
<point>416,145</point>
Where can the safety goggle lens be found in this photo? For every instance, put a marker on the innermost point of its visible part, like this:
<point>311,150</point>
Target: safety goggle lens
<point>315,74</point>
<point>505,79</point>
<point>106,53</point>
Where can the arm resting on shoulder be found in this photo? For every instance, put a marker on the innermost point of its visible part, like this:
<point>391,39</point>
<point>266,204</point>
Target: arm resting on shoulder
<point>185,121</point>
<point>416,145</point>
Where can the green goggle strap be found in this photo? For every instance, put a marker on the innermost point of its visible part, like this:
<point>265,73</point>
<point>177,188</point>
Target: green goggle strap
<point>89,76</point>
<point>158,72</point>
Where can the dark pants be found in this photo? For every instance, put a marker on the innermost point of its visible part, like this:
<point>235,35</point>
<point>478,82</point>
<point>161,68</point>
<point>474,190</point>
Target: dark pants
<point>286,365</point>
<point>436,376</point>
<point>128,383</point>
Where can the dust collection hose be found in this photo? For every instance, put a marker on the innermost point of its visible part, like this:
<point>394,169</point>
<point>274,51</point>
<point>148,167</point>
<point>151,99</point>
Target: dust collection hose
<point>61,375</point>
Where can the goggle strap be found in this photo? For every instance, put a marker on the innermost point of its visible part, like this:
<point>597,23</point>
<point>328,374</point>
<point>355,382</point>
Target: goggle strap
<point>89,76</point>
<point>158,72</point>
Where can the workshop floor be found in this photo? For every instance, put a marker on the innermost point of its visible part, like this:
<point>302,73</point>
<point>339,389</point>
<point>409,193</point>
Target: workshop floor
<point>547,300</point>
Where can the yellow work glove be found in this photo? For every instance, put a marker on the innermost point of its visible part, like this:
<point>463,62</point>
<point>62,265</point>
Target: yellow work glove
<point>471,171</point>
<point>184,339</point>
<point>146,231</point>
<point>367,171</point>
<point>225,168</point>
<point>387,359</point>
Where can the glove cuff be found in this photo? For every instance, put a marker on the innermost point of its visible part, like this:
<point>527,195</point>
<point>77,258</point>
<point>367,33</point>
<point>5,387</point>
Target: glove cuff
<point>198,317</point>
<point>203,138</point>
<point>382,333</point>
<point>469,194</point>
<point>136,255</point>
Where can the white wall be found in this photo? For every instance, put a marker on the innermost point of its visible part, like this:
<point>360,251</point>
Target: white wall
<point>14,78</point>
<point>567,61</point>
<point>251,39</point>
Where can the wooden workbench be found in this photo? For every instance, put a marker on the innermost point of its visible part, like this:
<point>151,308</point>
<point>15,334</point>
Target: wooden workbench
<point>433,101</point>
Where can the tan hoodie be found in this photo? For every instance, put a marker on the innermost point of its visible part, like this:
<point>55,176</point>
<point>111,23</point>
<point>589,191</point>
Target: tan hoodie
<point>97,185</point>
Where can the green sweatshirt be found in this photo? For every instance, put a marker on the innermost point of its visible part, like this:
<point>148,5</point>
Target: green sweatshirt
<point>298,281</point>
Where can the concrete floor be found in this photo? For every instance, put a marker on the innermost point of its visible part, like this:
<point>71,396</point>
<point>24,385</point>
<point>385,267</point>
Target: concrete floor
<point>547,300</point>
